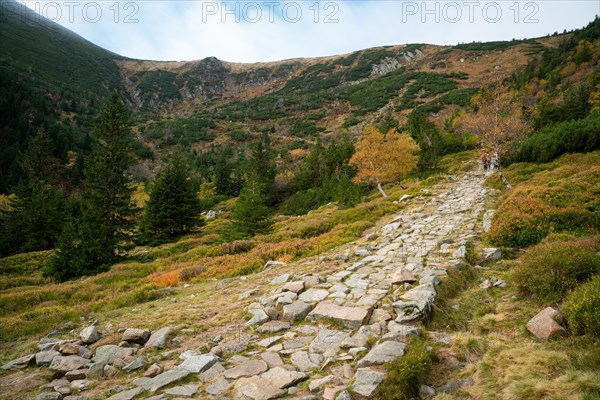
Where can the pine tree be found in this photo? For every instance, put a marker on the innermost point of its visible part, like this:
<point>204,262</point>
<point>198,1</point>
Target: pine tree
<point>95,239</point>
<point>173,207</point>
<point>222,176</point>
<point>36,215</point>
<point>251,214</point>
<point>261,167</point>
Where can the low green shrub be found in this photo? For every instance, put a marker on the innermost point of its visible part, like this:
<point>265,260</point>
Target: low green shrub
<point>406,374</point>
<point>552,268</point>
<point>581,136</point>
<point>581,308</point>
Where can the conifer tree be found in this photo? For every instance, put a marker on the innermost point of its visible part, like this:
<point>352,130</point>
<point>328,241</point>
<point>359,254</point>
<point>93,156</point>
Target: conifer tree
<point>36,215</point>
<point>173,207</point>
<point>96,238</point>
<point>262,167</point>
<point>251,214</point>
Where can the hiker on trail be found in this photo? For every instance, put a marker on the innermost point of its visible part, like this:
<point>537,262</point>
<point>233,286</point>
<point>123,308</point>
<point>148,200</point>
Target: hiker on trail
<point>485,161</point>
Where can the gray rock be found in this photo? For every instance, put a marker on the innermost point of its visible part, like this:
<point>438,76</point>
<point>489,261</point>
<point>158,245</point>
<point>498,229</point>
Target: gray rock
<point>487,220</point>
<point>426,392</point>
<point>198,364</point>
<point>316,384</point>
<point>304,362</point>
<point>328,342</point>
<point>313,295</point>
<point>46,357</point>
<point>272,359</point>
<point>65,364</point>
<point>460,252</point>
<point>183,390</point>
<point>382,353</point>
<point>49,396</point>
<point>134,335</point>
<point>89,335</point>
<point>214,371</point>
<point>398,331</point>
<point>415,304</point>
<point>218,386</point>
<point>76,375</point>
<point>164,379</point>
<point>350,317</point>
<point>294,287</point>
<point>256,388</point>
<point>96,370</point>
<point>281,279</point>
<point>158,339</point>
<point>296,311</point>
<point>110,353</point>
<point>544,325</point>
<point>282,378</point>
<point>273,327</point>
<point>345,395</point>
<point>491,253</point>
<point>366,381</point>
<point>19,363</point>
<point>80,385</point>
<point>138,363</point>
<point>249,368</point>
<point>259,316</point>
<point>154,370</point>
<point>271,264</point>
<point>127,394</point>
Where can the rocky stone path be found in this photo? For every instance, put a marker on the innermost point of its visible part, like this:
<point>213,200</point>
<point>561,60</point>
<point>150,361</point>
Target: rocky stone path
<point>313,336</point>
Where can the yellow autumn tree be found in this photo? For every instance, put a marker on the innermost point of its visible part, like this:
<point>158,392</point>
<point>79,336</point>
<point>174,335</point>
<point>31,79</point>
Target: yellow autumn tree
<point>382,159</point>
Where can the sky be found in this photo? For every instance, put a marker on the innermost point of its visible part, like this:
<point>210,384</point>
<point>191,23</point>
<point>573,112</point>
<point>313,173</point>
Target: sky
<point>270,30</point>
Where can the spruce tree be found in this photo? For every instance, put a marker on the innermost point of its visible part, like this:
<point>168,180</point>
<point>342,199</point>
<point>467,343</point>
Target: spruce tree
<point>95,239</point>
<point>262,167</point>
<point>251,214</point>
<point>173,207</point>
<point>36,215</point>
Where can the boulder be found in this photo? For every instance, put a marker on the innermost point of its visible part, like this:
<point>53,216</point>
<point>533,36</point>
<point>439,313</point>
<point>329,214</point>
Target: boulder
<point>162,380</point>
<point>316,384</point>
<point>89,335</point>
<point>249,368</point>
<point>218,386</point>
<point>256,388</point>
<point>282,279</point>
<point>19,363</point>
<point>110,353</point>
<point>134,335</point>
<point>403,276</point>
<point>271,264</point>
<point>64,364</point>
<point>415,304</point>
<point>183,390</point>
<point>313,295</point>
<point>366,381</point>
<point>158,339</point>
<point>282,378</point>
<point>491,253</point>
<point>138,363</point>
<point>294,287</point>
<point>197,364</point>
<point>46,357</point>
<point>382,353</point>
<point>259,316</point>
<point>296,311</point>
<point>544,325</point>
<point>274,326</point>
<point>127,394</point>
<point>350,317</point>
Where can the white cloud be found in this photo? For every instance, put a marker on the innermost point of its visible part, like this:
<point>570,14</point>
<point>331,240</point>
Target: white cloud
<point>188,30</point>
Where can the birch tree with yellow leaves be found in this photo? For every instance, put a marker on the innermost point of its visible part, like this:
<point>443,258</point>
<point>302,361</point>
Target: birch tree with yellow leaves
<point>383,158</point>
